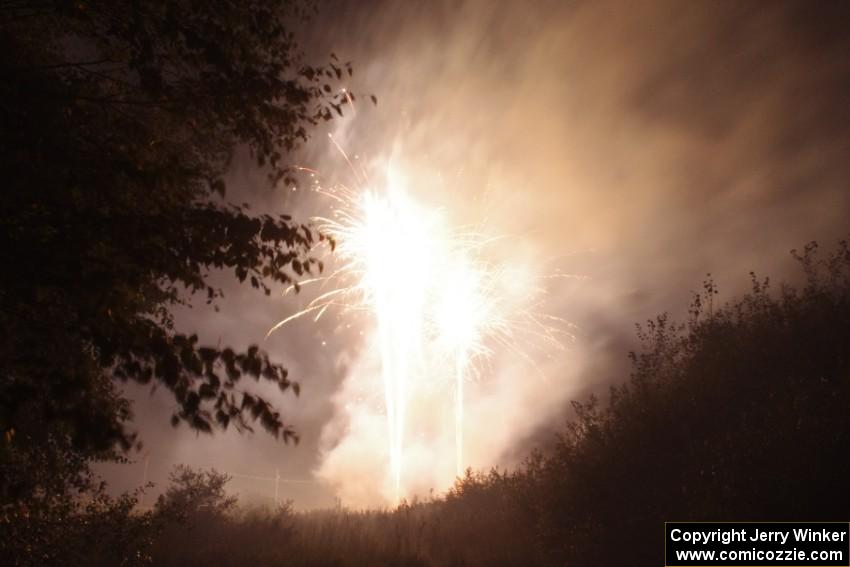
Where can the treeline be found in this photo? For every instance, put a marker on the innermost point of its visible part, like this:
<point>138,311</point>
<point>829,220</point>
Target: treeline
<point>738,414</point>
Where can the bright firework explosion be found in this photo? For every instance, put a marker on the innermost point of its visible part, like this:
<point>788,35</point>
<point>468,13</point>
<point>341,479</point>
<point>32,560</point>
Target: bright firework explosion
<point>433,297</point>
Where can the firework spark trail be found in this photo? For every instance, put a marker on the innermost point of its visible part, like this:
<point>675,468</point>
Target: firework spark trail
<point>460,377</point>
<point>397,262</point>
<point>429,291</point>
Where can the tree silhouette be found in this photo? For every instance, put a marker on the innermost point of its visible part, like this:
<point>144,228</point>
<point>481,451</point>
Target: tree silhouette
<point>119,120</point>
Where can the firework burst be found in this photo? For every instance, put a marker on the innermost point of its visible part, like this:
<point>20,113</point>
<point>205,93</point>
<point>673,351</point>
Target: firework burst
<point>432,294</point>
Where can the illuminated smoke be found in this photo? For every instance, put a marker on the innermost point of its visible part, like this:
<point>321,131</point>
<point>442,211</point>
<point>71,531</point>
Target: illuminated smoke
<point>439,310</point>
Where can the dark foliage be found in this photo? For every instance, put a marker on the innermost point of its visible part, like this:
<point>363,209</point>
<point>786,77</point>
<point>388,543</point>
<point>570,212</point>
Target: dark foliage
<point>67,518</point>
<point>195,493</point>
<point>739,415</point>
<point>198,523</point>
<point>117,123</point>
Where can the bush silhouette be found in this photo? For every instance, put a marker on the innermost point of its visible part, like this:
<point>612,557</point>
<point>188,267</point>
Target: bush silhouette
<point>740,414</point>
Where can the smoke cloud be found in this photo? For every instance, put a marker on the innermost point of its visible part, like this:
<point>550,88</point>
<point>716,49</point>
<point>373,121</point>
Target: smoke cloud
<point>639,147</point>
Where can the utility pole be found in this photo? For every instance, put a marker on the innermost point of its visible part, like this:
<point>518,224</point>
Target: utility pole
<point>145,478</point>
<point>276,487</point>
